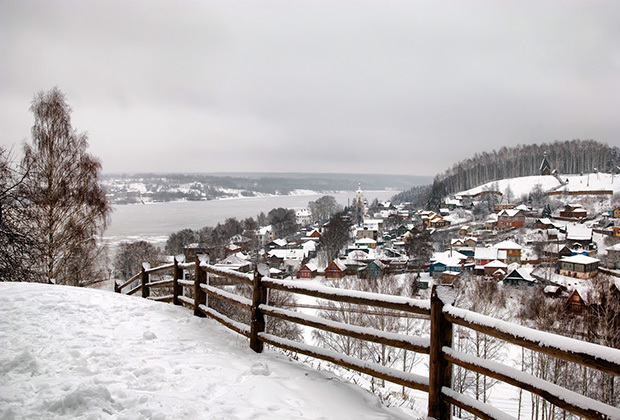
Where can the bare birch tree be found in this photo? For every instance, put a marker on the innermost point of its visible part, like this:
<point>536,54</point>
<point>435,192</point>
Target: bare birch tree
<point>68,204</point>
<point>17,240</point>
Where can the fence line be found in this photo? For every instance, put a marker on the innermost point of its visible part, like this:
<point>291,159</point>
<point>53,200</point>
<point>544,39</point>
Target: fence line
<point>196,294</point>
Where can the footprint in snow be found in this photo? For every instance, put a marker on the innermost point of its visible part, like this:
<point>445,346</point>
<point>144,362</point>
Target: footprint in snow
<point>149,335</point>
<point>260,368</point>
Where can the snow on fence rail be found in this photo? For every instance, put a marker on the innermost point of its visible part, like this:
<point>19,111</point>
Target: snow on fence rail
<point>442,317</point>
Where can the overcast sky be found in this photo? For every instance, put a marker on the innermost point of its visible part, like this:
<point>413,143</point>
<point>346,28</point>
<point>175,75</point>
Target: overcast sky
<point>400,87</point>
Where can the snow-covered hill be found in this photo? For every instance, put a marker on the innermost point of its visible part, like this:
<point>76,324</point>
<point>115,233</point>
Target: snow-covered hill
<point>83,353</point>
<point>523,185</point>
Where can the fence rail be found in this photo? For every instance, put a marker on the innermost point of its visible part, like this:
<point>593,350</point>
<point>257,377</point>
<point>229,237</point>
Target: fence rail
<point>198,292</point>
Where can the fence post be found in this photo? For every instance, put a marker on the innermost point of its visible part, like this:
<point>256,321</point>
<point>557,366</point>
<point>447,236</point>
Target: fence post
<point>257,324</point>
<point>440,371</point>
<point>199,294</point>
<point>176,288</point>
<point>145,280</point>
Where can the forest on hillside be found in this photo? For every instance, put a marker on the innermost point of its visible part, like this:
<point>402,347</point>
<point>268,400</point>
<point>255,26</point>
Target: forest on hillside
<point>566,157</point>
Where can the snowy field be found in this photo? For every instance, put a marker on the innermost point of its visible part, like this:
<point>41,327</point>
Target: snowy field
<point>84,353</point>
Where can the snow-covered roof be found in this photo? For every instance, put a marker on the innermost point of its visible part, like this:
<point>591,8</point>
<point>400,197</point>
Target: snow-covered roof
<point>551,289</point>
<point>578,233</point>
<point>280,242</point>
<point>615,247</point>
<point>489,253</point>
<point>288,254</point>
<point>311,266</point>
<point>492,218</point>
<point>509,212</point>
<point>340,264</point>
<point>309,246</point>
<point>580,259</point>
<point>496,264</point>
<point>523,273</point>
<point>507,245</point>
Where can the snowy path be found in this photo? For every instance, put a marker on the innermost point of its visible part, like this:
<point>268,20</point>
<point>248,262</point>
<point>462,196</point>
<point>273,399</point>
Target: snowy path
<point>83,353</point>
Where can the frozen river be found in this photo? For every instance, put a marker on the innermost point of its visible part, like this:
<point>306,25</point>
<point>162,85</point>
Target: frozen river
<point>155,222</point>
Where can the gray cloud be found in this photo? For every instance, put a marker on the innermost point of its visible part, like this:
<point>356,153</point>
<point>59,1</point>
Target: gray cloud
<point>316,86</point>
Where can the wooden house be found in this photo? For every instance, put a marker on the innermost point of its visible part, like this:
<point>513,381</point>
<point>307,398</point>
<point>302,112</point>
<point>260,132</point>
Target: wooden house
<point>578,234</point>
<point>495,268</point>
<point>491,222</point>
<point>573,211</point>
<point>446,262</point>
<point>374,270</point>
<point>510,218</point>
<point>615,213</point>
<point>579,266</point>
<point>335,270</point>
<point>613,256</point>
<point>544,223</point>
<point>519,277</point>
<point>513,251</point>
<point>307,271</point>
<point>576,303</point>
<point>484,256</point>
<point>235,262</point>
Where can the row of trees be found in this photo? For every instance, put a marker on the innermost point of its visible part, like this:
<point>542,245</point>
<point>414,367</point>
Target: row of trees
<point>52,207</point>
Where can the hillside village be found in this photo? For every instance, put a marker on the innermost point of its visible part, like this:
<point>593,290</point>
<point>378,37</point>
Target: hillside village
<point>546,230</point>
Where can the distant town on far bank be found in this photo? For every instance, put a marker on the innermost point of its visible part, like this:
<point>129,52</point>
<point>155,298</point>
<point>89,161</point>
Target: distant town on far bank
<point>153,187</point>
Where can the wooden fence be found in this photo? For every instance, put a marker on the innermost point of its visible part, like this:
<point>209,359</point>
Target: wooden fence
<point>442,315</point>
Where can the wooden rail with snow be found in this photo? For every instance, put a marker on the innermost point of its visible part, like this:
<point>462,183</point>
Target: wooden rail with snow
<point>196,294</point>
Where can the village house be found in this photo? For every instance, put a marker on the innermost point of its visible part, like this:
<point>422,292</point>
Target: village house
<point>465,230</point>
<point>366,243</point>
<point>614,213</point>
<point>367,234</point>
<point>276,244</point>
<point>374,225</point>
<point>579,266</point>
<point>449,261</point>
<point>496,269</point>
<point>513,251</point>
<point>519,277</point>
<point>613,256</point>
<point>335,270</point>
<point>576,302</point>
<point>579,237</point>
<point>483,256</point>
<point>374,270</point>
<point>264,235</point>
<point>303,217</point>
<point>433,220</point>
<point>307,271</point>
<point>236,262</point>
<point>491,222</point>
<point>573,211</point>
<point>503,206</point>
<point>510,218</point>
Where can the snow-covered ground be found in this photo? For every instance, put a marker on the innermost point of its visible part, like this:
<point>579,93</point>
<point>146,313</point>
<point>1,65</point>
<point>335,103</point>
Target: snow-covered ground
<point>84,353</point>
<point>524,185</point>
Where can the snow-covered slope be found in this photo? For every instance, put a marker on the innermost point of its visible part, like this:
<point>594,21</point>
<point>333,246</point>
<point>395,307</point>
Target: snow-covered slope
<point>523,185</point>
<point>83,353</point>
